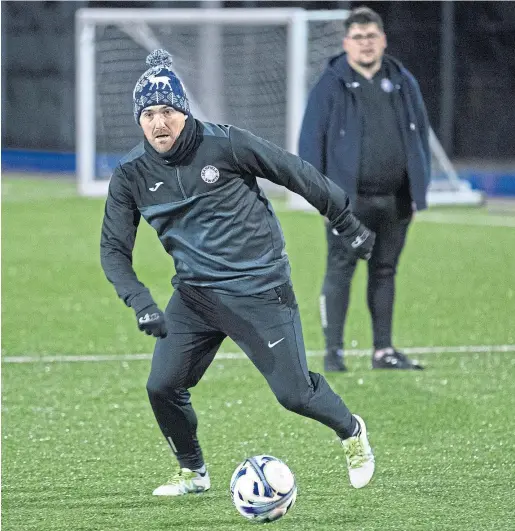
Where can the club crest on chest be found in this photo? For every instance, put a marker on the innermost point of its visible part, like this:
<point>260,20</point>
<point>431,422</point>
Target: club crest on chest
<point>210,174</point>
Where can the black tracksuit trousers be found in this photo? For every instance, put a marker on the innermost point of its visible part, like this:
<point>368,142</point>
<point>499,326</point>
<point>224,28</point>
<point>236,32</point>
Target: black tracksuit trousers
<point>268,329</point>
<point>389,217</point>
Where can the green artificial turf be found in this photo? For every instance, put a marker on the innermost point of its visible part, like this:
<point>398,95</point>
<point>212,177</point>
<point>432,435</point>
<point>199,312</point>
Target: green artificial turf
<point>455,285</point>
<point>81,449</point>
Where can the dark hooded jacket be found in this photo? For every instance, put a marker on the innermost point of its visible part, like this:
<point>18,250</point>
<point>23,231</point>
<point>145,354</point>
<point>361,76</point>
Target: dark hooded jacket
<point>331,132</point>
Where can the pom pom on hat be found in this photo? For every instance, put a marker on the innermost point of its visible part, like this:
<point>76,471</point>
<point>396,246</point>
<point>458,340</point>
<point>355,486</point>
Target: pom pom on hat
<point>159,58</point>
<point>159,85</point>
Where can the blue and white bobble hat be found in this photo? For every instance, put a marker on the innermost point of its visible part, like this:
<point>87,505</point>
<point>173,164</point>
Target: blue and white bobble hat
<point>159,85</point>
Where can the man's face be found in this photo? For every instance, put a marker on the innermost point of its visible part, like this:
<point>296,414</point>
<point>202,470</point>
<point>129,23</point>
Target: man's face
<point>161,126</point>
<point>365,44</point>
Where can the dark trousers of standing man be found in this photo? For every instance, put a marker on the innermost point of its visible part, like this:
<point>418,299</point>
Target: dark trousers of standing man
<point>389,217</point>
<point>267,328</point>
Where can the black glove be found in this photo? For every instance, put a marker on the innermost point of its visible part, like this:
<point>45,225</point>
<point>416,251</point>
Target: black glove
<point>151,320</point>
<point>359,241</point>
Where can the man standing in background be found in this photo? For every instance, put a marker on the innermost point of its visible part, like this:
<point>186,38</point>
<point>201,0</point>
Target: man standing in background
<point>366,128</point>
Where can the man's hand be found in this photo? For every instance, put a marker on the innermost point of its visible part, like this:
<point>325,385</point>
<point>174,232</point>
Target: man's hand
<point>151,320</point>
<point>360,241</point>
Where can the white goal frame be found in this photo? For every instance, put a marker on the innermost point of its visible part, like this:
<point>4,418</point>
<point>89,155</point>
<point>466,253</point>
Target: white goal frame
<point>294,19</point>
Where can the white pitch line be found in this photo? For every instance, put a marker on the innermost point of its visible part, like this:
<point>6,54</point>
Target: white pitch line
<point>456,219</point>
<point>463,349</point>
<point>481,220</point>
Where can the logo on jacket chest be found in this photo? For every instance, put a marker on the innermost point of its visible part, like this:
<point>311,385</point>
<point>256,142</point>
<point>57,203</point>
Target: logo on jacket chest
<point>386,85</point>
<point>210,174</point>
<point>156,186</point>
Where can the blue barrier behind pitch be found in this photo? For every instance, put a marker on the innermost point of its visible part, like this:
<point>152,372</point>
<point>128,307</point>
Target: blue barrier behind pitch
<point>495,182</point>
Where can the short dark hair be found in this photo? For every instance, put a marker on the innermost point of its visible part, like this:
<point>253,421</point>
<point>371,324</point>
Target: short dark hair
<point>363,15</point>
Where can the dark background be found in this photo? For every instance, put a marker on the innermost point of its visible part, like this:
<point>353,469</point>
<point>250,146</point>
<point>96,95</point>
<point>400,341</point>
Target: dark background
<point>38,69</point>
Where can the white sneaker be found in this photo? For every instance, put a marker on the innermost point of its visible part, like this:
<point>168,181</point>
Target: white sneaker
<point>359,456</point>
<point>184,482</point>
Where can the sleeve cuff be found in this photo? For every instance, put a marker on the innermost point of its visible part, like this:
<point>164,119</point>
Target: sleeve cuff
<point>141,301</point>
<point>348,225</point>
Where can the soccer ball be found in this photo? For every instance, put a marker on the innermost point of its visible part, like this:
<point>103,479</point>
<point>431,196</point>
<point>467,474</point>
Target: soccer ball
<point>263,488</point>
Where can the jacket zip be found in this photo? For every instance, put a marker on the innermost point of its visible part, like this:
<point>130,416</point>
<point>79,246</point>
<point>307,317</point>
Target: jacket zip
<point>180,183</point>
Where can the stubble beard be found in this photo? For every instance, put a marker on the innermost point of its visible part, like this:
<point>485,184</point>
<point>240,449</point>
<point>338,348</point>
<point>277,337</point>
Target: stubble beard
<point>164,148</point>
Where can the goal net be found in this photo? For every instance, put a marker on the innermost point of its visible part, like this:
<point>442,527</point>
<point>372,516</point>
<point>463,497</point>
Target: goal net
<point>247,67</point>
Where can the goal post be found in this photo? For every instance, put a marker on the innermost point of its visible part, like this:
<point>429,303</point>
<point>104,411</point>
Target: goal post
<point>250,67</point>
<point>119,39</point>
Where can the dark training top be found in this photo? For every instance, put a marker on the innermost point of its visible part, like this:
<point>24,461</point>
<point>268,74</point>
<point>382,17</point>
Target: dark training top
<point>382,168</point>
<point>204,202</point>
